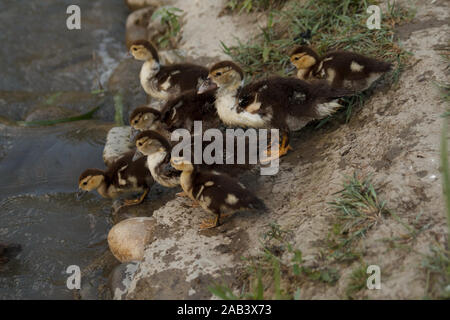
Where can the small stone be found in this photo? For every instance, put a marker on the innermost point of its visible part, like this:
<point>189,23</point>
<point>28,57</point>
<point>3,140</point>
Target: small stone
<point>43,113</point>
<point>137,26</point>
<point>139,4</point>
<point>128,238</point>
<point>120,279</point>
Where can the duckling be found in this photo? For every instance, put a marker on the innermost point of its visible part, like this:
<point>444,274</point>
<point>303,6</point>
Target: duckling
<point>123,177</point>
<point>341,69</point>
<point>147,118</point>
<point>282,103</point>
<point>157,150</point>
<point>179,112</point>
<point>8,251</point>
<point>164,82</point>
<point>216,192</point>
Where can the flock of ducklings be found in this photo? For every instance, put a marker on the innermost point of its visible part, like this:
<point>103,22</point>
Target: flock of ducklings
<point>218,97</point>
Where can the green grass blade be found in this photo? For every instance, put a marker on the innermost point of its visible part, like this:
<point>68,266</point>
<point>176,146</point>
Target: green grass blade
<point>118,107</point>
<point>445,175</point>
<point>85,116</point>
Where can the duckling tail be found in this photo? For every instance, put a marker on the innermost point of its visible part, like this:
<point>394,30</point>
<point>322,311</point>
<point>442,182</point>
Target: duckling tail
<point>333,93</point>
<point>322,89</point>
<point>258,205</point>
<point>386,66</point>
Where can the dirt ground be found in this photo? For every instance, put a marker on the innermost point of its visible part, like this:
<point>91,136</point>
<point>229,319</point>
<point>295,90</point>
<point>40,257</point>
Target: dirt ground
<point>395,137</point>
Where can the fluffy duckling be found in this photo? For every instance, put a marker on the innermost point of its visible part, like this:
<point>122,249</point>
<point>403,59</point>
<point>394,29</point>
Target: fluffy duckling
<point>8,251</point>
<point>162,82</point>
<point>341,69</point>
<point>179,112</point>
<point>147,118</point>
<point>123,177</point>
<point>281,103</point>
<point>216,192</point>
<point>157,150</point>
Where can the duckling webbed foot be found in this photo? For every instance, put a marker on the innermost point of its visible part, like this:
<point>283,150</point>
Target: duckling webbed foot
<point>212,223</point>
<point>209,223</point>
<point>282,150</point>
<point>195,204</point>
<point>132,202</point>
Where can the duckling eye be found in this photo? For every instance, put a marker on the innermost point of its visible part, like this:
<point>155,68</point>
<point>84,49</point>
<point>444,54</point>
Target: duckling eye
<point>218,74</point>
<point>84,183</point>
<point>135,121</point>
<point>140,144</point>
<point>134,49</point>
<point>296,58</point>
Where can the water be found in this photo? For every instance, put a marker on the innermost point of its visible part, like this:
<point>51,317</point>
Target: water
<point>39,167</point>
<point>39,210</point>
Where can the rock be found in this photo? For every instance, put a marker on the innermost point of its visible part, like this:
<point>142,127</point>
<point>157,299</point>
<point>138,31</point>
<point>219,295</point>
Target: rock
<point>117,143</point>
<point>184,261</point>
<point>140,26</point>
<point>137,26</point>
<point>9,251</point>
<point>139,4</point>
<point>128,238</point>
<point>49,113</point>
<point>120,279</point>
<point>172,56</point>
<point>125,78</point>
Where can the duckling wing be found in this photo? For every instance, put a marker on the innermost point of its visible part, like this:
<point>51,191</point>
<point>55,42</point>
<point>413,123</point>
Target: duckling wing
<point>222,193</point>
<point>353,65</point>
<point>180,112</point>
<point>185,76</point>
<point>283,95</point>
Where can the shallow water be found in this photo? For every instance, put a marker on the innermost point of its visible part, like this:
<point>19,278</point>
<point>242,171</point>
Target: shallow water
<point>39,167</point>
<point>38,208</point>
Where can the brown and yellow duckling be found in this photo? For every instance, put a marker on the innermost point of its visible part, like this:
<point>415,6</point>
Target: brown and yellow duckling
<point>216,192</point>
<point>281,103</point>
<point>156,149</point>
<point>163,82</point>
<point>122,178</point>
<point>341,69</point>
<point>179,112</point>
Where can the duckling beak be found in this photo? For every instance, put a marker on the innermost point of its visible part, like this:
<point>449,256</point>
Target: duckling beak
<point>208,84</point>
<point>290,67</point>
<point>80,194</point>
<point>133,134</point>
<point>137,155</point>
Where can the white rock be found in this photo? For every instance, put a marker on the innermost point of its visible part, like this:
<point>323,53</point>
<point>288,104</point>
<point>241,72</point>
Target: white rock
<point>117,143</point>
<point>128,238</point>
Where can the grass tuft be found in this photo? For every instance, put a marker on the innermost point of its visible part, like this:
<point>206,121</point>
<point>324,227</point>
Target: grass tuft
<point>359,209</point>
<point>358,281</point>
<point>170,18</point>
<point>326,25</point>
<point>437,264</point>
<point>253,5</point>
<point>268,277</point>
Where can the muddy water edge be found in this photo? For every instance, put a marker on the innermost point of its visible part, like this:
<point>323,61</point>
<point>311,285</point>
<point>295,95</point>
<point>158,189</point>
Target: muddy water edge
<point>46,72</point>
